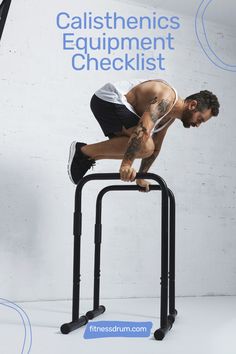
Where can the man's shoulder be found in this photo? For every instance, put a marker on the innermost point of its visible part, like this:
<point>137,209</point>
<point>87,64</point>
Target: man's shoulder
<point>157,88</point>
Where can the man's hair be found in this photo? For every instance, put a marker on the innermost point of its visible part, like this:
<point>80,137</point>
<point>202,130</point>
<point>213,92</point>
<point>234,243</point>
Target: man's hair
<point>205,100</point>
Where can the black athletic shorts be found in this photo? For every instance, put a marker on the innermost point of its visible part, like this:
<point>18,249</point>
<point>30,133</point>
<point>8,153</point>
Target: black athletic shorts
<point>112,116</point>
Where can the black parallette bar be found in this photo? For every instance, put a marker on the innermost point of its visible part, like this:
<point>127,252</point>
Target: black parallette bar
<point>171,316</point>
<point>167,230</point>
<point>160,333</point>
<point>71,326</point>
<point>94,313</point>
<point>77,223</point>
<point>98,233</point>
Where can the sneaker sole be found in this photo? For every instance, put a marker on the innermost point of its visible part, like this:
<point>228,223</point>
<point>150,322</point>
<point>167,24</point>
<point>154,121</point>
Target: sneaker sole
<point>71,156</point>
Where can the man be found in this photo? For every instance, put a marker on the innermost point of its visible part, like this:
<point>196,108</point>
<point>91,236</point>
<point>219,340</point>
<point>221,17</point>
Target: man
<point>135,115</point>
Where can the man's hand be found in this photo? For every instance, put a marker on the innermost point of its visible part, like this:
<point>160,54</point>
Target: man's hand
<point>144,184</point>
<point>127,173</point>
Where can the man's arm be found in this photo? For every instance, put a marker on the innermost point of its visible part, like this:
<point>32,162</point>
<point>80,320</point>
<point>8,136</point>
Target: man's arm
<point>158,138</point>
<point>143,130</point>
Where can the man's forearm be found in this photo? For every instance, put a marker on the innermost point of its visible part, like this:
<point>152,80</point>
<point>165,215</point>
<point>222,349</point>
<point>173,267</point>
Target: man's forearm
<point>147,162</point>
<point>137,139</point>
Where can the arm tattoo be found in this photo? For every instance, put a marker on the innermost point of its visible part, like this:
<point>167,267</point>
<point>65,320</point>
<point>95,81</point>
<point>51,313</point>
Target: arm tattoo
<point>135,143</point>
<point>148,161</point>
<point>157,110</point>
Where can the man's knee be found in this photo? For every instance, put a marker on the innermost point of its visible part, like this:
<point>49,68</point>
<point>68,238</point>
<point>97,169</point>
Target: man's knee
<point>148,147</point>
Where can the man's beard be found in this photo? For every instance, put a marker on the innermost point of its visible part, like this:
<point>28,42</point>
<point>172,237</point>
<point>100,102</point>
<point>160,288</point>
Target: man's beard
<point>186,118</point>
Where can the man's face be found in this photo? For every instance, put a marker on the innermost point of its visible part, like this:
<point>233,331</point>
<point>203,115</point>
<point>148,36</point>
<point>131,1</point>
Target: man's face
<point>193,118</point>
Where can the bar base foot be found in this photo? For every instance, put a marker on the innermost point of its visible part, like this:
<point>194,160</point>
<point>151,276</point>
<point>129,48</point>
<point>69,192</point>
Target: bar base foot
<point>94,313</point>
<point>160,333</point>
<point>71,326</point>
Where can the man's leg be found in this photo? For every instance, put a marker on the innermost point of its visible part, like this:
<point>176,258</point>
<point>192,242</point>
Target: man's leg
<point>116,147</point>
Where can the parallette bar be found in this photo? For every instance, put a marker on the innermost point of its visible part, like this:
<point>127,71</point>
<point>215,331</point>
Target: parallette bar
<point>94,313</point>
<point>71,326</point>
<point>160,333</point>
<point>171,316</point>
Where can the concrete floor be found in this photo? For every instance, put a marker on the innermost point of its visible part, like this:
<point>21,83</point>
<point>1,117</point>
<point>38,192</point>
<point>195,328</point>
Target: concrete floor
<point>203,325</point>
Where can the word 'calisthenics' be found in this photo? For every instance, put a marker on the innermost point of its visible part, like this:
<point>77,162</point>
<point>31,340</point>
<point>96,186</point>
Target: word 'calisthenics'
<point>115,21</point>
<point>109,44</point>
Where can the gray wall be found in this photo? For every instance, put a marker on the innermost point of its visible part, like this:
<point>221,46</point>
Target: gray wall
<point>45,106</point>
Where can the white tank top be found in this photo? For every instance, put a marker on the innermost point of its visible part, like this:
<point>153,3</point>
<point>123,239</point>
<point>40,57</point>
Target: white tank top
<point>115,93</point>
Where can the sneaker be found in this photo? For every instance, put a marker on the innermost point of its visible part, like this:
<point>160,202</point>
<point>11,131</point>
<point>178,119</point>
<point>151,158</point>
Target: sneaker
<point>78,163</point>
